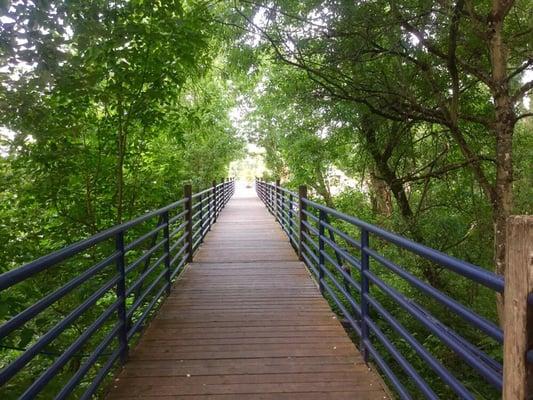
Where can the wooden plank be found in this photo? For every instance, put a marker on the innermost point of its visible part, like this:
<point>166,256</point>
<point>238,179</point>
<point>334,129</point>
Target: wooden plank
<point>246,321</point>
<point>345,376</point>
<point>338,395</point>
<point>130,389</point>
<point>251,365</point>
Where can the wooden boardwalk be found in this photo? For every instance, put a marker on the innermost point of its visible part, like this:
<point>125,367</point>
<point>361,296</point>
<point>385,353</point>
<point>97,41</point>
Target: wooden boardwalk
<point>246,321</point>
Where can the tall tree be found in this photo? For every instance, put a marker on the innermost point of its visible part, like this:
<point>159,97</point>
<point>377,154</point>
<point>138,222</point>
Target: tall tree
<point>460,65</point>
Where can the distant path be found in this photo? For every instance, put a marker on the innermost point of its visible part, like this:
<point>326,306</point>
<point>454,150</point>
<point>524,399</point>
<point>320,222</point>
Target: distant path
<point>245,321</point>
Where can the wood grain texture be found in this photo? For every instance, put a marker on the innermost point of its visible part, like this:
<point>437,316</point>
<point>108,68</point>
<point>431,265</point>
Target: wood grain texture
<point>518,324</point>
<point>246,321</point>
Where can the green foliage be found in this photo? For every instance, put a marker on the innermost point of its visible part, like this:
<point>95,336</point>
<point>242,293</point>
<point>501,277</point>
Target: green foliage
<point>110,107</point>
<point>394,112</point>
<point>389,112</point>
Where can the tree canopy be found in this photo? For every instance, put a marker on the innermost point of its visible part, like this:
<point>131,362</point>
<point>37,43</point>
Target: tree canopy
<point>414,115</point>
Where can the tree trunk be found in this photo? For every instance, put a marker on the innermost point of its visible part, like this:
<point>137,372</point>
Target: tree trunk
<point>380,196</point>
<point>388,175</point>
<point>121,149</point>
<point>323,189</point>
<point>504,122</point>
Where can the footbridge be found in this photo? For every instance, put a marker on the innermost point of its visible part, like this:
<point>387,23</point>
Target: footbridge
<point>261,294</point>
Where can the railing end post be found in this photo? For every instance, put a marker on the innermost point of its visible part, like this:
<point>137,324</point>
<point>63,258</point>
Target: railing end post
<point>518,314</point>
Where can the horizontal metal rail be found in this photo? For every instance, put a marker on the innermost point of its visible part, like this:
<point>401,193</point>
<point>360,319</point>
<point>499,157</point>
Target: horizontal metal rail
<point>349,271</point>
<point>116,295</point>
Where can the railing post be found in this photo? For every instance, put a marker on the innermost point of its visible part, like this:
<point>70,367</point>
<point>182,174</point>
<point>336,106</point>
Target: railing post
<point>200,209</point>
<point>224,192</point>
<point>266,190</point>
<point>166,246</point>
<point>267,197</point>
<point>121,296</point>
<point>209,211</point>
<point>271,200</point>
<point>321,266</point>
<point>290,214</point>
<point>187,193</point>
<point>217,193</point>
<point>277,213</point>
<point>517,313</point>
<point>281,209</point>
<point>302,194</point>
<point>214,201</point>
<point>364,292</point>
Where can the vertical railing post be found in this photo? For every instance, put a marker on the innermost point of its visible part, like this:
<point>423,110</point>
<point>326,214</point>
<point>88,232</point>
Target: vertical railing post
<point>271,200</point>
<point>290,214</point>
<point>209,211</point>
<point>364,292</point>
<point>166,247</point>
<point>200,209</point>
<point>281,208</point>
<point>321,265</point>
<point>215,201</point>
<point>302,194</point>
<point>517,313</point>
<point>187,193</point>
<point>225,192</point>
<point>267,193</point>
<point>277,213</point>
<point>121,296</point>
<point>267,197</point>
<point>220,194</point>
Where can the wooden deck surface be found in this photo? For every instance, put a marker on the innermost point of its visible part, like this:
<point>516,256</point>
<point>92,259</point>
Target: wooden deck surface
<point>246,321</point>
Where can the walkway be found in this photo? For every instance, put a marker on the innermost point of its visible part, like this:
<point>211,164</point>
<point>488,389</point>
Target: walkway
<point>245,321</point>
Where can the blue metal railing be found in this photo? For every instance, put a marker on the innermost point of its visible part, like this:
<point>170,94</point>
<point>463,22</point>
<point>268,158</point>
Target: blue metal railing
<point>130,291</point>
<point>346,276</point>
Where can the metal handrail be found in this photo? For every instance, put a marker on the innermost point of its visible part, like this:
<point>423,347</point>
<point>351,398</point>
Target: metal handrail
<point>332,267</point>
<point>136,291</point>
